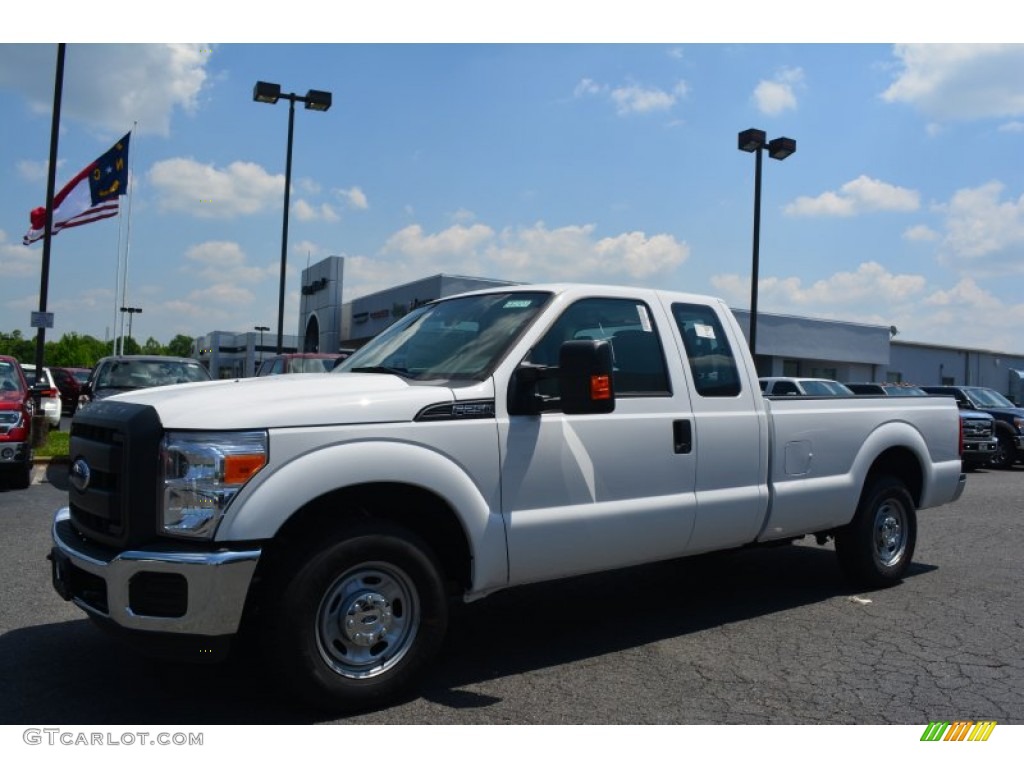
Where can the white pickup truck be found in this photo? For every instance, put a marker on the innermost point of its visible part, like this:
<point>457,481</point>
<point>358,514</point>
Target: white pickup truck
<point>483,441</point>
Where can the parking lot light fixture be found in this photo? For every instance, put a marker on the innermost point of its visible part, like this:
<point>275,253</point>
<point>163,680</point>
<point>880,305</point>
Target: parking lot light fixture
<point>261,329</point>
<point>754,140</point>
<point>318,101</point>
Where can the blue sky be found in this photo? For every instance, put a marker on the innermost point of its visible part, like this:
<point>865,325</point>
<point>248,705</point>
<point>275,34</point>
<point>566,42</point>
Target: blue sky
<point>904,204</point>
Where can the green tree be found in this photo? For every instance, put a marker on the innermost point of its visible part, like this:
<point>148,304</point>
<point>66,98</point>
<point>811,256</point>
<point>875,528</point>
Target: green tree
<point>153,347</point>
<point>131,346</point>
<point>73,351</point>
<point>17,346</point>
<point>180,346</point>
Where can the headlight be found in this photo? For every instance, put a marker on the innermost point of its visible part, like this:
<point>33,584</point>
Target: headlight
<point>202,472</point>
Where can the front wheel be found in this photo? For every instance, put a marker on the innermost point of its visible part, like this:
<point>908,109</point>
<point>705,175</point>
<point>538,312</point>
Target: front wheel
<point>357,622</point>
<point>876,548</point>
<point>1005,454</point>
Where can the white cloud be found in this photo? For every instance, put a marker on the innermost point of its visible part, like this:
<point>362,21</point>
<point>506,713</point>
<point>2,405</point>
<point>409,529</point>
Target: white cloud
<point>980,224</point>
<point>354,197</point>
<point>776,96</point>
<point>633,98</point>
<point>17,260</point>
<point>920,233</point>
<point>208,192</point>
<point>110,87</point>
<point>630,99</point>
<point>224,262</point>
<point>871,282</point>
<point>861,195</point>
<point>960,82</point>
<point>35,171</point>
<point>453,243</point>
<point>536,252</point>
<point>305,211</point>
<point>587,87</point>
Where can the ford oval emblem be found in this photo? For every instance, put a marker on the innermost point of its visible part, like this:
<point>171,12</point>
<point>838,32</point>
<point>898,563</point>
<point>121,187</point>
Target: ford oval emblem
<point>80,474</point>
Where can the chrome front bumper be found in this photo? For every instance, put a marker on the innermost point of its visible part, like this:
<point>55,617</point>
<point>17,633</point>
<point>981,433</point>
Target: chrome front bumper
<point>209,588</point>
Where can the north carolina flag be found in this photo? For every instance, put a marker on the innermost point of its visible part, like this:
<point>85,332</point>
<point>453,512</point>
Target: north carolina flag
<point>92,195</point>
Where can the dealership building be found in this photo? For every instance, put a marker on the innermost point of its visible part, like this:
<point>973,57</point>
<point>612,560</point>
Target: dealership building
<point>787,345</point>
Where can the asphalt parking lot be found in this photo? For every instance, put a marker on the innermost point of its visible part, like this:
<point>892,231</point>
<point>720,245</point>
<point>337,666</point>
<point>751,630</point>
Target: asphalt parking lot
<point>771,636</point>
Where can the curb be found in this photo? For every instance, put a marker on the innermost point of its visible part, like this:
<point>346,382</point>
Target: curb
<point>40,466</point>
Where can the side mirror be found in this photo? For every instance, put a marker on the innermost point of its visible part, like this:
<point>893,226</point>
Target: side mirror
<point>585,377</point>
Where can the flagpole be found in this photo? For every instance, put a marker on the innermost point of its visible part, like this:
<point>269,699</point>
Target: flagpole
<point>117,282</point>
<point>44,280</point>
<point>128,235</point>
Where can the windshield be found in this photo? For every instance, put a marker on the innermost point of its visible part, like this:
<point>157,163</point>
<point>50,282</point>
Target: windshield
<point>139,374</point>
<point>311,364</point>
<point>904,391</point>
<point>459,338</point>
<point>812,387</point>
<point>10,381</point>
<point>989,398</point>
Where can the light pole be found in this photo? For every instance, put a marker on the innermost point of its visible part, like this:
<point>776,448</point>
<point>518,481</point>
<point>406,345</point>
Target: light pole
<point>261,329</point>
<point>754,140</point>
<point>131,311</point>
<point>318,101</point>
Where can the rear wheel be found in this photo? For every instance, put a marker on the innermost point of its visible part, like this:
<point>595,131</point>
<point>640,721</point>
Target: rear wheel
<point>356,623</point>
<point>876,548</point>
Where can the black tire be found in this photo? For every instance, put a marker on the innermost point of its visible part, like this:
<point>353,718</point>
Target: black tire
<point>21,476</point>
<point>876,548</point>
<point>1006,453</point>
<point>352,626</point>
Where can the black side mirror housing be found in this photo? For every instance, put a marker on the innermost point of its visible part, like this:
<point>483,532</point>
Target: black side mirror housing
<point>585,377</point>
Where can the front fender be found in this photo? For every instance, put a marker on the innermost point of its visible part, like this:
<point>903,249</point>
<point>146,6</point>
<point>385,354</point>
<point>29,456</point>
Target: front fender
<point>270,499</point>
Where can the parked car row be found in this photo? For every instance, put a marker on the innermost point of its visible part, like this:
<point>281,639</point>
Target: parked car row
<point>993,427</point>
<point>16,409</point>
<point>48,393</point>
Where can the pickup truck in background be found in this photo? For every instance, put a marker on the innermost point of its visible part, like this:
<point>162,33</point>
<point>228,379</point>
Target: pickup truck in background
<point>1009,419</point>
<point>483,441</point>
<point>980,444</point>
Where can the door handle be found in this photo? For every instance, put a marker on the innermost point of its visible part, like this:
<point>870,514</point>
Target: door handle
<point>682,436</point>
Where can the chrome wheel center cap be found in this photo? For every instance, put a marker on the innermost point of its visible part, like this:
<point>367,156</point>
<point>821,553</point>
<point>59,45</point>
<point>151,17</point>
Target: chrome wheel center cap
<point>890,533</point>
<point>367,619</point>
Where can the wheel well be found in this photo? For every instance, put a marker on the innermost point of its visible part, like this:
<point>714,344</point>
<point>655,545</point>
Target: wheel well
<point>416,509</point>
<point>901,463</point>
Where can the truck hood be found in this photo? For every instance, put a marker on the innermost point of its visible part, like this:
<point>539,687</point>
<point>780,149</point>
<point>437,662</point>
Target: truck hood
<point>293,400</point>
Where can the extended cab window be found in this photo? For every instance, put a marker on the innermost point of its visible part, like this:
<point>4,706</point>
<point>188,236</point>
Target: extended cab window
<point>626,324</point>
<point>712,362</point>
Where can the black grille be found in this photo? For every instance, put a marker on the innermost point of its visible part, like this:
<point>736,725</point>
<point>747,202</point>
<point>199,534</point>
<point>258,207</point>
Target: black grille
<point>977,428</point>
<point>118,444</point>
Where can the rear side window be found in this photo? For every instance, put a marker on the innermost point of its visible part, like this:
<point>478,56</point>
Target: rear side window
<point>711,359</point>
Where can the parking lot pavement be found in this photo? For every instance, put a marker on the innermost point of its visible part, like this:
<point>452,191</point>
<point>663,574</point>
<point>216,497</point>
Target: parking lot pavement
<point>762,636</point>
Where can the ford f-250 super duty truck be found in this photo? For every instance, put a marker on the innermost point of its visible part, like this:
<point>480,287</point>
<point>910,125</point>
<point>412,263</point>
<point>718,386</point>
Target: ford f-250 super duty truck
<point>483,441</point>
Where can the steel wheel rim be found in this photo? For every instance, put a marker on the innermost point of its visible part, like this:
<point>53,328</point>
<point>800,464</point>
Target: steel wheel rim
<point>367,620</point>
<point>890,532</point>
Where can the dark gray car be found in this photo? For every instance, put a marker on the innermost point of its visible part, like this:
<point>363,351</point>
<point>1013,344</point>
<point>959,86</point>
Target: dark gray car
<point>121,373</point>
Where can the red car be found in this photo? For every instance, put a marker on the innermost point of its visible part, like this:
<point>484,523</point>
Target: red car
<point>15,424</point>
<point>69,381</point>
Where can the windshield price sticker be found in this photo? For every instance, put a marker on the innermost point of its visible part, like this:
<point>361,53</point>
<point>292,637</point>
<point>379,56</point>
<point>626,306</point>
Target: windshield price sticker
<point>704,331</point>
<point>517,304</point>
